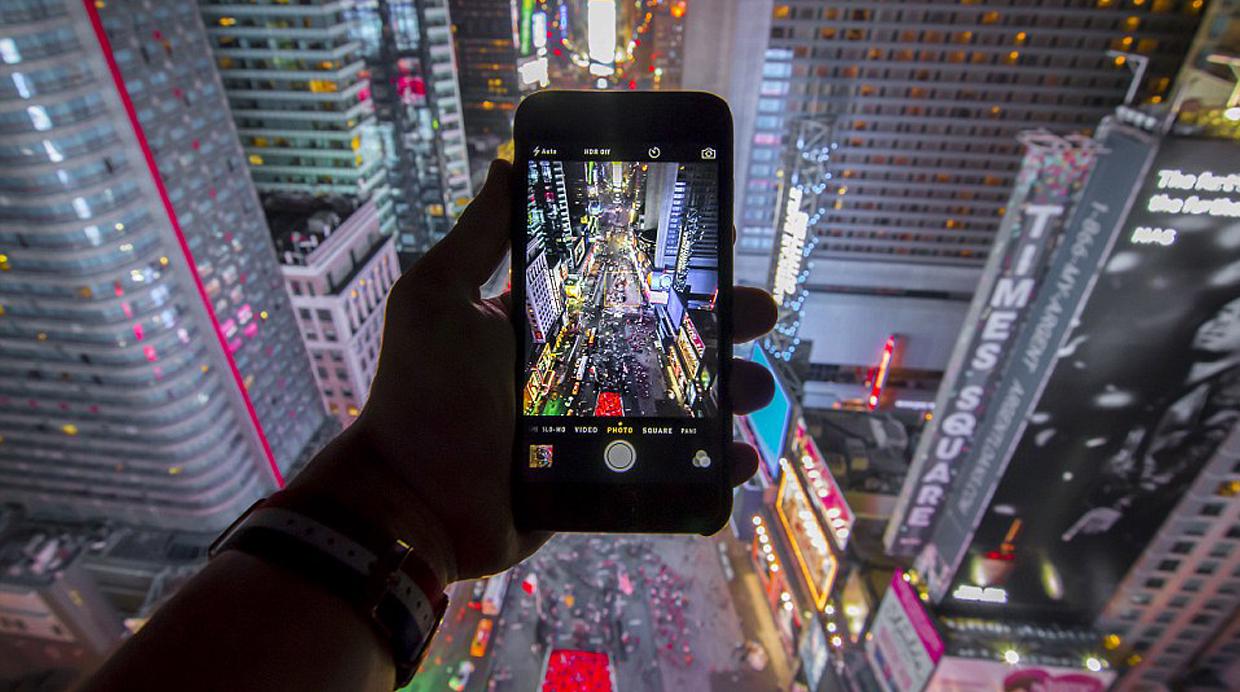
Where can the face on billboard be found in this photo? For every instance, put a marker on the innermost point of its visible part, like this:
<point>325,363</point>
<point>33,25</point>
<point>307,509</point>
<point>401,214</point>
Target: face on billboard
<point>1221,333</point>
<point>1144,390</point>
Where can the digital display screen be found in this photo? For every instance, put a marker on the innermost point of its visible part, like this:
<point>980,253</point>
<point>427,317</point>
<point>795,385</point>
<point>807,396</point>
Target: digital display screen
<point>621,272</point>
<point>770,423</point>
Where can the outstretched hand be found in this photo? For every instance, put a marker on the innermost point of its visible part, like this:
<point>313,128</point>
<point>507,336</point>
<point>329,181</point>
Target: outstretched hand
<point>436,432</point>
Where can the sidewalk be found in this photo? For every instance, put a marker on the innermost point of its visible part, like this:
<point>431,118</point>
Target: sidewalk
<point>749,604</point>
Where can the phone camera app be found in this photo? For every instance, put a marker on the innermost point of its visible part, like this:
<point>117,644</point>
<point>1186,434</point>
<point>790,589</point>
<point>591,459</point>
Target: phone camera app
<point>542,456</point>
<point>622,276</point>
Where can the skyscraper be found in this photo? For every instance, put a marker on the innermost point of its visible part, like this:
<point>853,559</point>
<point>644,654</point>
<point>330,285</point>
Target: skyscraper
<point>52,616</point>
<point>407,45</point>
<point>338,268</point>
<point>295,82</point>
<point>910,114</point>
<point>152,370</point>
<point>486,54</point>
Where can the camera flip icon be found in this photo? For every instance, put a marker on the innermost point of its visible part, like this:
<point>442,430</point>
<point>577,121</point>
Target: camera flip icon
<point>708,154</point>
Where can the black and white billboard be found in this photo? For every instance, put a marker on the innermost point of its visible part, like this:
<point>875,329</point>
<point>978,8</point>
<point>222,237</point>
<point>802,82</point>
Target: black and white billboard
<point>1141,391</point>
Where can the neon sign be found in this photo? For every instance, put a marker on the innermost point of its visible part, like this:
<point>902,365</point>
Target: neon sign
<point>879,381</point>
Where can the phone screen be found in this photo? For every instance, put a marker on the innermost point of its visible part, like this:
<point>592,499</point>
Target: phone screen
<point>621,347</point>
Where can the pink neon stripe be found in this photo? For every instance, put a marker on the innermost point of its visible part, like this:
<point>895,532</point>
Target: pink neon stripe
<point>132,114</point>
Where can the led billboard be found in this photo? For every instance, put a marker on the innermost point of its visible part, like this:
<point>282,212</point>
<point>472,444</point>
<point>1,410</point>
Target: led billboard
<point>770,424</point>
<point>958,674</point>
<point>905,646</point>
<point>1141,391</point>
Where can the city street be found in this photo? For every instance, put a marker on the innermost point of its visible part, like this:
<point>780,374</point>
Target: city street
<point>660,606</point>
<point>610,359</point>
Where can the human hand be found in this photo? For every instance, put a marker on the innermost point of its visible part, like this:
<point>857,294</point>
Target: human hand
<point>434,442</point>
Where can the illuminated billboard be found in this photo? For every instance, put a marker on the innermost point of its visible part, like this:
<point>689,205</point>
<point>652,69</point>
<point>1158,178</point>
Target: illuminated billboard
<point>1052,173</point>
<point>1139,396</point>
<point>958,674</point>
<point>807,536</point>
<point>770,424</point>
<point>822,485</point>
<point>904,646</point>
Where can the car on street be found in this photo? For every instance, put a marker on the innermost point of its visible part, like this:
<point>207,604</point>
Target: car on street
<point>460,678</point>
<point>482,638</point>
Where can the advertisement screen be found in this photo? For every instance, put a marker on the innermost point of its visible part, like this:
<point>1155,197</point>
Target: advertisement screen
<point>905,646</point>
<point>956,674</point>
<point>770,424</point>
<point>1052,175</point>
<point>807,536</point>
<point>1143,391</point>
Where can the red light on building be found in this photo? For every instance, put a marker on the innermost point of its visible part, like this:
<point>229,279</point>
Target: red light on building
<point>879,380</point>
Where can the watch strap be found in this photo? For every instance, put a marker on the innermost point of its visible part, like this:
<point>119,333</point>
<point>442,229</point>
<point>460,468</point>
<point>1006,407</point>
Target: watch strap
<point>405,614</point>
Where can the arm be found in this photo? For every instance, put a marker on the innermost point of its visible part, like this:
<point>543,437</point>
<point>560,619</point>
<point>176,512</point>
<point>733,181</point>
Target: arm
<point>244,624</point>
<point>427,461</point>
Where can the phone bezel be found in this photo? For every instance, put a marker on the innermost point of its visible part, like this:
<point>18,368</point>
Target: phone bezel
<point>612,116</point>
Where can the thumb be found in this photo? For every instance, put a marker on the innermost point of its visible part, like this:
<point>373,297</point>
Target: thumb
<point>476,244</point>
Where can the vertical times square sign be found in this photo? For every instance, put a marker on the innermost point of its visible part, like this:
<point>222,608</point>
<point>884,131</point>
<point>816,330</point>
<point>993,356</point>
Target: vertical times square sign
<point>807,157</point>
<point>791,247</point>
<point>1052,173</point>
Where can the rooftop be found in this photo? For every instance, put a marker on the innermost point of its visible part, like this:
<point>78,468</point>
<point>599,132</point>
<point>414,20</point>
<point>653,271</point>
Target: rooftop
<point>300,223</point>
<point>32,552</point>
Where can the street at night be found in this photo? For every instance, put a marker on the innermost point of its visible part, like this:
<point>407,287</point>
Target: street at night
<point>617,295</point>
<point>943,297</point>
<point>672,613</point>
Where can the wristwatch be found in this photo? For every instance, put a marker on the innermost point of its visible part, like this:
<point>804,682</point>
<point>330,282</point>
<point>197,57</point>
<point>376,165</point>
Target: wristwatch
<point>383,577</point>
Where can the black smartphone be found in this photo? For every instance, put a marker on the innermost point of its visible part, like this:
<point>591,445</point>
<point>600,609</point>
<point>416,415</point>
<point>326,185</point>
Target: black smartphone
<point>622,299</point>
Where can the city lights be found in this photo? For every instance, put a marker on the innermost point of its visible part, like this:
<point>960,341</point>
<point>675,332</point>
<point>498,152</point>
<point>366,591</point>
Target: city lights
<point>1005,354</point>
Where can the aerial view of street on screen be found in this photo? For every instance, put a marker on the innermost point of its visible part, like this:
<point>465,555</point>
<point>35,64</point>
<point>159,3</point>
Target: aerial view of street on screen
<point>621,282</point>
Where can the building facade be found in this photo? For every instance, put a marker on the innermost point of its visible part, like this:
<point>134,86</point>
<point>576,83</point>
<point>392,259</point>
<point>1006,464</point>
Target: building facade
<point>338,268</point>
<point>486,53</point>
<point>921,105</point>
<point>152,371</point>
<point>408,48</point>
<point>52,617</point>
<point>1136,459</point>
<point>299,92</point>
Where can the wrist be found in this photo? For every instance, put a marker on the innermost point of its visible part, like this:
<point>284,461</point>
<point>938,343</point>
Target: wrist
<point>350,476</point>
